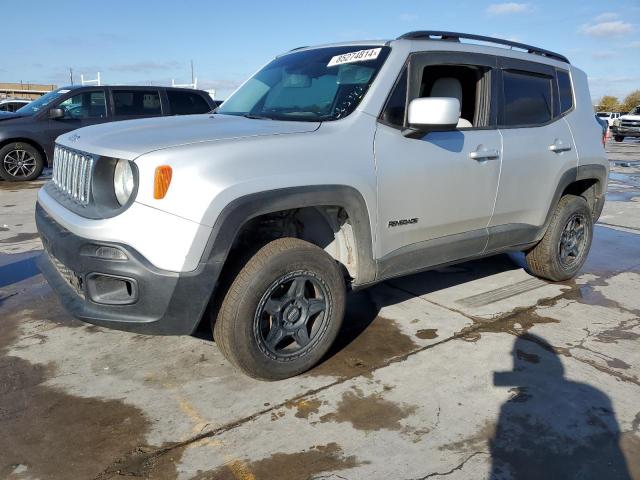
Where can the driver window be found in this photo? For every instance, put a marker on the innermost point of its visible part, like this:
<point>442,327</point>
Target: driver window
<point>84,105</point>
<point>469,84</point>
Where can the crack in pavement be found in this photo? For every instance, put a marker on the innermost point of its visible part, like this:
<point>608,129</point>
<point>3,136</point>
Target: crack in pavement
<point>478,325</point>
<point>454,469</point>
<point>149,456</point>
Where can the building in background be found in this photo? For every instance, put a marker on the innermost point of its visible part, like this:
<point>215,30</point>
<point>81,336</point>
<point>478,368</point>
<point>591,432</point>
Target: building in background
<point>27,91</point>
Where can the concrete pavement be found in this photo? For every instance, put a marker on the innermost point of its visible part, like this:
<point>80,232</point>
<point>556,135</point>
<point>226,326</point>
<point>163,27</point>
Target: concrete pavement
<point>472,371</point>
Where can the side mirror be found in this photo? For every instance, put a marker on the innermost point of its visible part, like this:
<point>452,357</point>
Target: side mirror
<point>56,113</point>
<point>432,114</point>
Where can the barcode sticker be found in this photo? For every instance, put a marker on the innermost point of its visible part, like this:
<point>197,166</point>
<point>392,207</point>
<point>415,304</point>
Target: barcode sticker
<point>352,57</point>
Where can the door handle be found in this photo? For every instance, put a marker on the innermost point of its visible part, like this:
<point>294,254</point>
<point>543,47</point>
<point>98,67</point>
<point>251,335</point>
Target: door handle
<point>484,154</point>
<point>558,147</point>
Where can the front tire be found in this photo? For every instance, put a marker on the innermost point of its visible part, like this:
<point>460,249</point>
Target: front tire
<point>618,138</point>
<point>20,162</point>
<point>565,246</point>
<point>282,311</point>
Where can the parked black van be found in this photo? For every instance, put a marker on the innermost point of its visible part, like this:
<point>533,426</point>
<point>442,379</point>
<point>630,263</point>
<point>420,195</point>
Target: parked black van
<point>27,136</point>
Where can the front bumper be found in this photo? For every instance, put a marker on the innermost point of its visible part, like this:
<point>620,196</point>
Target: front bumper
<point>159,302</point>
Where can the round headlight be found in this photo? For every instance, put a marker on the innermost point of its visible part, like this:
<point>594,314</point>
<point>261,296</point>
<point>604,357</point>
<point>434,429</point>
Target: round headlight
<point>123,181</point>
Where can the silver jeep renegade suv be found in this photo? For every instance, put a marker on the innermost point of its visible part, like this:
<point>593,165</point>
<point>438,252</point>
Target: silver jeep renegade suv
<point>332,168</point>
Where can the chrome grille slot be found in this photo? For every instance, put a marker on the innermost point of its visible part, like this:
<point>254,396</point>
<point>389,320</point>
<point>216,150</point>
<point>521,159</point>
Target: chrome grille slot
<point>72,173</point>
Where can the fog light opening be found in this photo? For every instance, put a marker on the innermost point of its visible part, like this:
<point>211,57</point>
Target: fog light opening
<point>111,290</point>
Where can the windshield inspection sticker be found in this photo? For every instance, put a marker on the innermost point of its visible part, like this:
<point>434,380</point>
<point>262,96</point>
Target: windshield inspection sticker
<point>352,57</point>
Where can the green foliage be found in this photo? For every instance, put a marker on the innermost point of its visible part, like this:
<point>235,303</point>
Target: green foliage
<point>631,101</point>
<point>608,103</point>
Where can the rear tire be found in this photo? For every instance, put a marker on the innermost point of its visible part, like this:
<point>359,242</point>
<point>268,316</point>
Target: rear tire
<point>618,138</point>
<point>20,162</point>
<point>282,311</point>
<point>565,246</point>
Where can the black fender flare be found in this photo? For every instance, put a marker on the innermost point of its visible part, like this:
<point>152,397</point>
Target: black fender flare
<point>582,172</point>
<point>235,215</point>
<point>595,172</point>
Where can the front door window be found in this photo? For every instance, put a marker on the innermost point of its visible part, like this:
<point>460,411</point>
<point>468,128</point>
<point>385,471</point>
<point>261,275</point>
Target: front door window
<point>84,105</point>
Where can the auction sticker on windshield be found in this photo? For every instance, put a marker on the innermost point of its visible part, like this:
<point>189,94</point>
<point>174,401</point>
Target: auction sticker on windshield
<point>352,57</point>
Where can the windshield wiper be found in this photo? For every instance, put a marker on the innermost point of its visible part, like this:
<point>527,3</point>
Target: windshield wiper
<point>256,117</point>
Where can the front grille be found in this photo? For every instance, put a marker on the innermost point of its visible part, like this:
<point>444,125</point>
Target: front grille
<point>72,173</point>
<point>69,275</point>
<point>630,123</point>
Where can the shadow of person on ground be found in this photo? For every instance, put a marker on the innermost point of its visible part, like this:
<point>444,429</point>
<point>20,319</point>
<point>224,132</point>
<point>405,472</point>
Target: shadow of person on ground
<point>552,427</point>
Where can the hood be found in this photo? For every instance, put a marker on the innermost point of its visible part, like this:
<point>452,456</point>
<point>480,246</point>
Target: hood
<point>132,138</point>
<point>634,118</point>
<point>10,116</point>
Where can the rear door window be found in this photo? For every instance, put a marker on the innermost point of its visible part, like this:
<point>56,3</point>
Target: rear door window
<point>186,103</point>
<point>131,103</point>
<point>527,99</point>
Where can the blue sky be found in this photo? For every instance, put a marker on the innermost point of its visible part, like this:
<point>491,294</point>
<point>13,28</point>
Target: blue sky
<point>153,41</point>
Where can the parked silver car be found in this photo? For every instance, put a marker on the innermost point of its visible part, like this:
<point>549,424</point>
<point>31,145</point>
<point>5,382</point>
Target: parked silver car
<point>332,168</point>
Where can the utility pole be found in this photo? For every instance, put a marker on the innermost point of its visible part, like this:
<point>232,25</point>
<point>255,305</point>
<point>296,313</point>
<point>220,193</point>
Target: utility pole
<point>192,72</point>
<point>71,75</point>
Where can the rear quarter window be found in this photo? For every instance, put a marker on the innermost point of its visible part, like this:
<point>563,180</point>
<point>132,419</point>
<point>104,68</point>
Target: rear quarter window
<point>186,103</point>
<point>565,91</point>
<point>527,99</point>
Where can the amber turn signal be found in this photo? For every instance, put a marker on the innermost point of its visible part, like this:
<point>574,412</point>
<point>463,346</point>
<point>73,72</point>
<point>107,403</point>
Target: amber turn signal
<point>162,181</point>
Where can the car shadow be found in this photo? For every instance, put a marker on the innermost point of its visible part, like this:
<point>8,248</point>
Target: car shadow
<point>552,427</point>
<point>362,311</point>
<point>17,267</point>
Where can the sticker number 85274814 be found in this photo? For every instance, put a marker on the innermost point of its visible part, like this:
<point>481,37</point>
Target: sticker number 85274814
<point>351,57</point>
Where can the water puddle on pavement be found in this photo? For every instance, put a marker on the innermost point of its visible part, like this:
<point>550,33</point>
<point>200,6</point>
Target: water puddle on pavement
<point>286,466</point>
<point>427,333</point>
<point>368,413</point>
<point>612,251</point>
<point>304,407</point>
<point>47,433</point>
<point>365,342</point>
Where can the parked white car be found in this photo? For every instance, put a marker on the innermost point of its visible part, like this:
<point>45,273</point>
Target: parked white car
<point>12,104</point>
<point>609,117</point>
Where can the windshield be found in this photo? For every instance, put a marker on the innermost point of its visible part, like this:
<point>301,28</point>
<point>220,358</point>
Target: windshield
<point>311,85</point>
<point>635,111</point>
<point>42,102</point>
<point>603,115</point>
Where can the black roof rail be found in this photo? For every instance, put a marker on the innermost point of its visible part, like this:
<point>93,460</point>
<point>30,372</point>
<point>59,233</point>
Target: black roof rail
<point>455,37</point>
